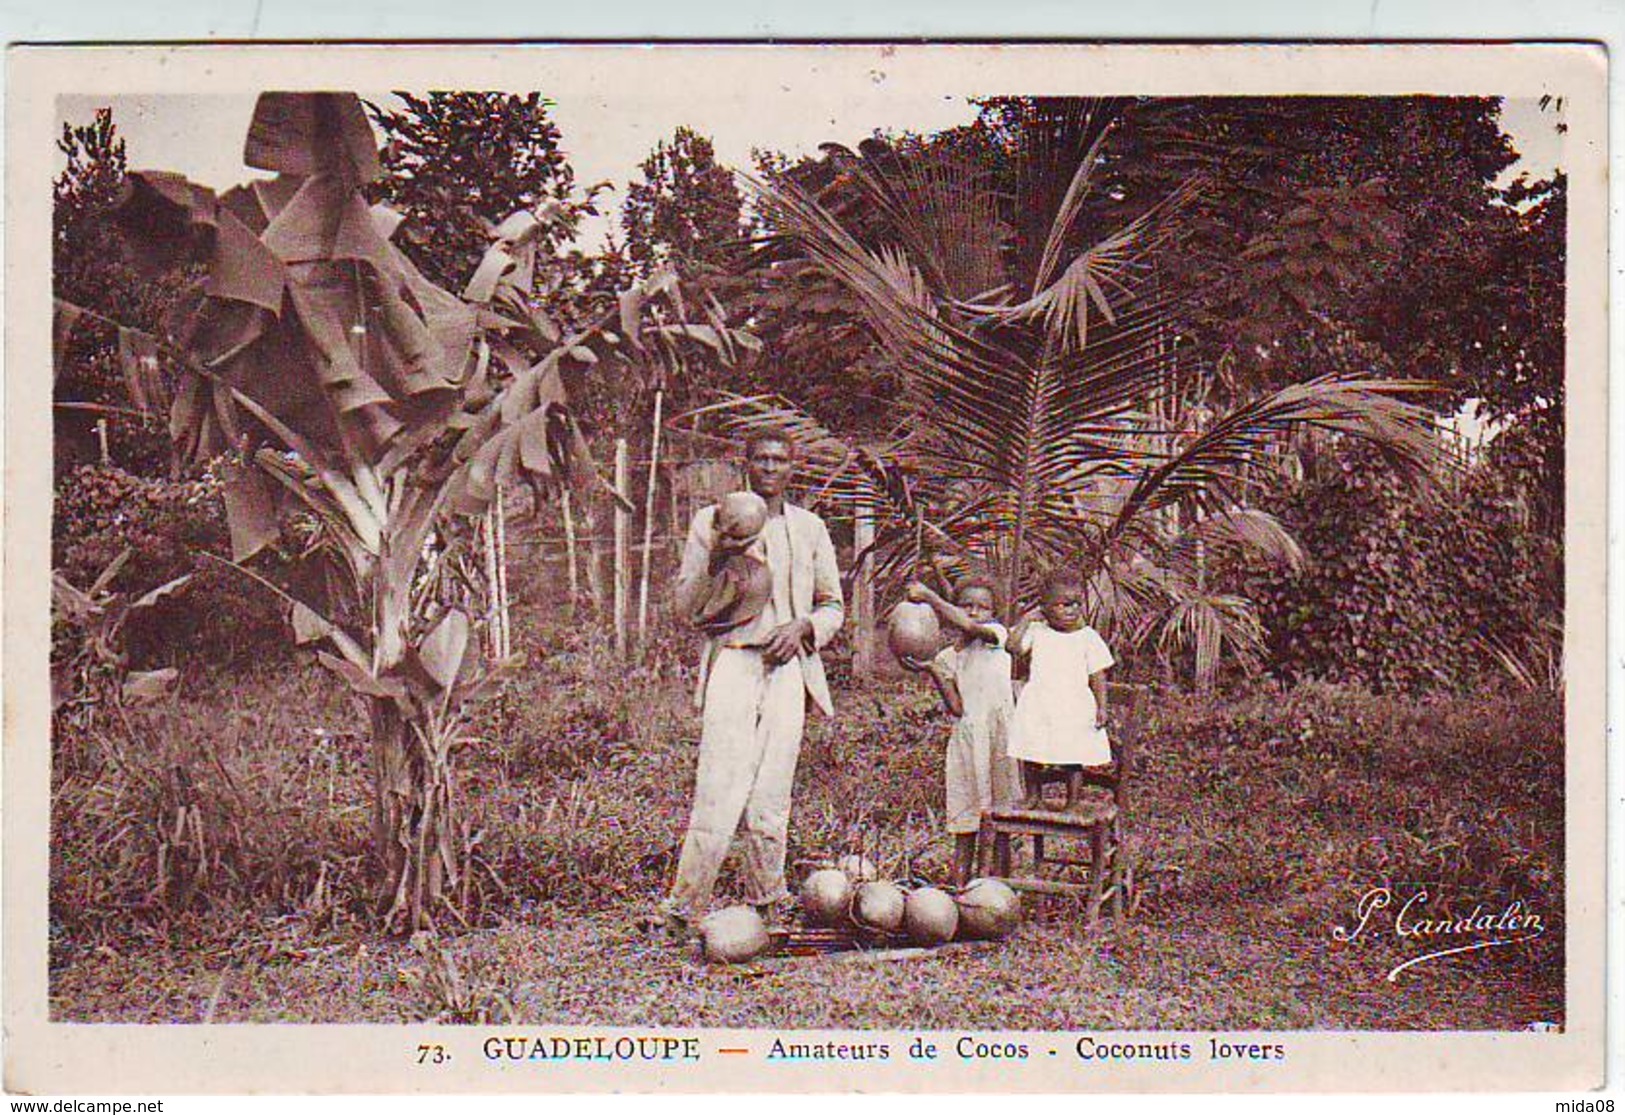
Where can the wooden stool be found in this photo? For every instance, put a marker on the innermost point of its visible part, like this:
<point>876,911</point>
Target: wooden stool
<point>1093,823</point>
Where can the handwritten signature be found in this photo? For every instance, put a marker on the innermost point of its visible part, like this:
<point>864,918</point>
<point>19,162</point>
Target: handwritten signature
<point>1481,929</point>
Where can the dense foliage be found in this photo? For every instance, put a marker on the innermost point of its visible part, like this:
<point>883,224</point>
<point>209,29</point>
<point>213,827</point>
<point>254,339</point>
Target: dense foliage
<point>89,270</point>
<point>1053,417</point>
<point>458,163</point>
<point>1325,233</point>
<point>685,211</point>
<point>1291,239</point>
<point>167,525</point>
<point>1414,587</point>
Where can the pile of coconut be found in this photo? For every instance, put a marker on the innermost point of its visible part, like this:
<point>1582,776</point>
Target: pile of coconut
<point>850,897</point>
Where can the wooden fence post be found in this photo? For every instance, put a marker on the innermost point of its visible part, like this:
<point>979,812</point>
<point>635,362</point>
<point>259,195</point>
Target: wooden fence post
<point>595,556</point>
<point>863,590</point>
<point>570,558</point>
<point>679,524</point>
<point>493,588</point>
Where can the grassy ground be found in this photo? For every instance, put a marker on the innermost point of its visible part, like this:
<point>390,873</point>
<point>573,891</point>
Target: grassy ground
<point>208,860</point>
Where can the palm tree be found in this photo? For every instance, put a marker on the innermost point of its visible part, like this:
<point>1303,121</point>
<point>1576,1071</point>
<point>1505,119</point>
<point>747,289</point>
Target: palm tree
<point>1050,417</point>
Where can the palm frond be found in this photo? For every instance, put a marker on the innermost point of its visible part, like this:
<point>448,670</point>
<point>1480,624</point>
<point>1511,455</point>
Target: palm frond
<point>1205,625</point>
<point>1031,420</point>
<point>1055,153</point>
<point>826,465</point>
<point>941,207</point>
<point>976,390</point>
<point>1098,279</point>
<point>1127,597</point>
<point>1242,532</point>
<point>1058,426</point>
<point>1215,464</point>
<point>1066,214</point>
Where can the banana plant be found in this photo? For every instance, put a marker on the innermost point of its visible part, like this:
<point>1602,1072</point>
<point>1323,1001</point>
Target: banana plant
<point>98,670</point>
<point>343,385</point>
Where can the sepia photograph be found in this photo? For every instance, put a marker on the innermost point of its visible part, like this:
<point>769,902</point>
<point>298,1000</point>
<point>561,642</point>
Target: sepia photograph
<point>1076,578</point>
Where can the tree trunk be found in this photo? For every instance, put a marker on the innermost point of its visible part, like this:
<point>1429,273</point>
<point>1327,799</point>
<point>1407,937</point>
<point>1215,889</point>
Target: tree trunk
<point>649,520</point>
<point>391,786</point>
<point>679,525</point>
<point>572,559</point>
<point>416,830</point>
<point>418,848</point>
<point>622,560</point>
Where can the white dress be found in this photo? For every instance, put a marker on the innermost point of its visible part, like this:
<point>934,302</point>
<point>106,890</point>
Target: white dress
<point>1055,715</point>
<point>979,774</point>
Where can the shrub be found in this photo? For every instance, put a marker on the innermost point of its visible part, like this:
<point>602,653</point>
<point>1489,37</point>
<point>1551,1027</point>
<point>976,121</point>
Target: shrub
<point>223,617</point>
<point>91,377</point>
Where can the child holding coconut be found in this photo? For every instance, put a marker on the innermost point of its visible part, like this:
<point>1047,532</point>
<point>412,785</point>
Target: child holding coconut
<point>972,674</point>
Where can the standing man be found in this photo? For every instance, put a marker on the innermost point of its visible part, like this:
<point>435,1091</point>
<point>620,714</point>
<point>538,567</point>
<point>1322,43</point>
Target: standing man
<point>754,683</point>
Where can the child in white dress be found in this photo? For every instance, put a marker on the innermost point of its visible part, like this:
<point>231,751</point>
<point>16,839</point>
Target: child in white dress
<point>973,676</point>
<point>1060,717</point>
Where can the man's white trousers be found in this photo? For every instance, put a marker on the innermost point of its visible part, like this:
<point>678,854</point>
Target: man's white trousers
<point>750,739</point>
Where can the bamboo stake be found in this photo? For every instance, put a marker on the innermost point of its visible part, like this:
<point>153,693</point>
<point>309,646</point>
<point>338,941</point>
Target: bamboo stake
<point>504,613</point>
<point>677,524</point>
<point>649,517</point>
<point>594,556</point>
<point>570,548</point>
<point>101,436</point>
<point>620,547</point>
<point>488,538</point>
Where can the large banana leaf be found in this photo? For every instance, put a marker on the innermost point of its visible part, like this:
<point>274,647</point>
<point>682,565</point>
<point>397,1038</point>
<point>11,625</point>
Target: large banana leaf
<point>311,334</point>
<point>306,310</point>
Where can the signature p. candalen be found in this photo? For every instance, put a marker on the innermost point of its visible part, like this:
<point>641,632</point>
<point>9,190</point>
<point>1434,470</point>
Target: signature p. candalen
<point>1482,928</point>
